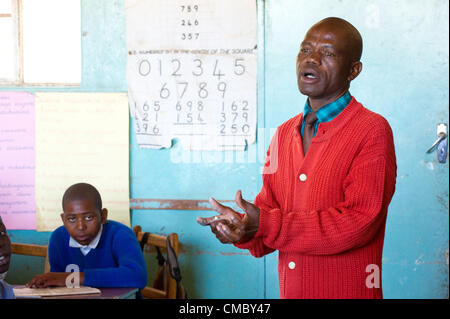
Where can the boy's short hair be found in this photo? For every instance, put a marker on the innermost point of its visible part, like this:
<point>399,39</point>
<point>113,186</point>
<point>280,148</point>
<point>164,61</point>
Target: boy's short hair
<point>82,191</point>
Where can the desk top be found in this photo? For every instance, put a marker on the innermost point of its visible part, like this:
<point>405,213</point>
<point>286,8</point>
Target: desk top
<point>105,293</point>
<point>111,293</point>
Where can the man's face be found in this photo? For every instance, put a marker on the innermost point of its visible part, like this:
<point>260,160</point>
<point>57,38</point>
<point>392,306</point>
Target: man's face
<point>324,63</point>
<point>5,249</point>
<point>82,220</point>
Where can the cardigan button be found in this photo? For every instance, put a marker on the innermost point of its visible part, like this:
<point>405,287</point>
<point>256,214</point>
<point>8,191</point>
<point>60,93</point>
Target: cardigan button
<point>291,265</point>
<point>303,177</point>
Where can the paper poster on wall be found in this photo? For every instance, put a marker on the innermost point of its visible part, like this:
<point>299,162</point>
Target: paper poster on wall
<point>17,160</point>
<point>81,137</point>
<point>191,72</point>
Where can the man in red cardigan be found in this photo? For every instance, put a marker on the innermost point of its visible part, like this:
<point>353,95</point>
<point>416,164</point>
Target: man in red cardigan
<point>325,205</point>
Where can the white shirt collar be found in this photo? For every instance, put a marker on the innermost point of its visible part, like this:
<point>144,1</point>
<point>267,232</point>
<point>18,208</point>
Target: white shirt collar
<point>85,249</point>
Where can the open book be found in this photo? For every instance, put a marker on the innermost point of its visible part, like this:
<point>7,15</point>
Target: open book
<point>24,292</point>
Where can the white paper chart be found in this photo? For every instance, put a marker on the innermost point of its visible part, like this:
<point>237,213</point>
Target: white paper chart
<point>191,72</point>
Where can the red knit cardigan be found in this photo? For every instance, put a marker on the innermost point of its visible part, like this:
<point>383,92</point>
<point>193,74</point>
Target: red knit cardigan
<point>326,212</point>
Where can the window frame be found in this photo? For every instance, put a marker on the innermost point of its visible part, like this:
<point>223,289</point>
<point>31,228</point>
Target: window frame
<point>19,80</point>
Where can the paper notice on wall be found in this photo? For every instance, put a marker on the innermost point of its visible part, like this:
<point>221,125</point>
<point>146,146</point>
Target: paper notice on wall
<point>81,137</point>
<point>17,155</point>
<point>191,72</point>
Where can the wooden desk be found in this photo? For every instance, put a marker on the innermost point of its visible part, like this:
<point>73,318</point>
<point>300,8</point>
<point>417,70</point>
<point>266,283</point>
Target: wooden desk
<point>106,293</point>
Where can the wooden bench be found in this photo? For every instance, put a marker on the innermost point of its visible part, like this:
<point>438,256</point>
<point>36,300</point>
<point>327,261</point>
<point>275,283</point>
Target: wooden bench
<point>32,250</point>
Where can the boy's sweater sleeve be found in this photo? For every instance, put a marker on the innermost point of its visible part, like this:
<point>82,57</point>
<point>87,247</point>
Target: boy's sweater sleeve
<point>131,270</point>
<point>54,257</point>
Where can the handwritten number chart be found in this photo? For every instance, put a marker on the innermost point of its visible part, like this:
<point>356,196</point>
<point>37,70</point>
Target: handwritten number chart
<point>191,75</point>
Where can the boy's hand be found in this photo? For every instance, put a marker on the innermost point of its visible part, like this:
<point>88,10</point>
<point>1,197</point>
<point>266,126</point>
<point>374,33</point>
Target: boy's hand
<point>55,279</point>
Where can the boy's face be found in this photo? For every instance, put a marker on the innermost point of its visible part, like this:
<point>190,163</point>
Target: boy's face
<point>5,249</point>
<point>82,220</point>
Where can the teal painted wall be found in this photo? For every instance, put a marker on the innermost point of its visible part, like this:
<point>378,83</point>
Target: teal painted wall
<point>405,78</point>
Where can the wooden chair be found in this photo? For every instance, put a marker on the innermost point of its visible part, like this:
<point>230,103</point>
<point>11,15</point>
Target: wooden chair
<point>32,250</point>
<point>160,241</point>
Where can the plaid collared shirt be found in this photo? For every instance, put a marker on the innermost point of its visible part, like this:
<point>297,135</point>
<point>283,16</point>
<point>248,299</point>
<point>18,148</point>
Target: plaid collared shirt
<point>327,112</point>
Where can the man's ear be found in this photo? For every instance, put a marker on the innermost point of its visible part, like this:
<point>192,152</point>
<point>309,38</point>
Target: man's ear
<point>104,215</point>
<point>355,70</point>
<point>62,217</point>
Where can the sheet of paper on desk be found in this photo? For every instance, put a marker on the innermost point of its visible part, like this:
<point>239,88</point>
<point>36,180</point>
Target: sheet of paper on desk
<point>17,163</point>
<point>81,137</point>
<point>191,72</point>
<point>22,291</point>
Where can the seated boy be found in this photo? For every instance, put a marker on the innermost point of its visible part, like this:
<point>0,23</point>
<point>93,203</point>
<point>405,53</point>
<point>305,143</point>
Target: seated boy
<point>107,253</point>
<point>6,291</point>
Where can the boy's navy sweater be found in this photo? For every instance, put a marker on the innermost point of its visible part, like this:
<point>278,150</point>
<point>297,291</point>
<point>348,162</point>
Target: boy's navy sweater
<point>116,262</point>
